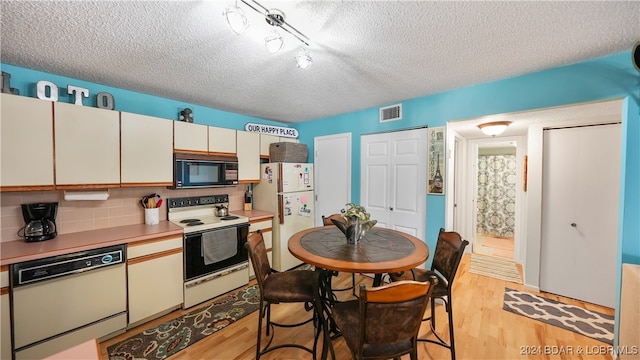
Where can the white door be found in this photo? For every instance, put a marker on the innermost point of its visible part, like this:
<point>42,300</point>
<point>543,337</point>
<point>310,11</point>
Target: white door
<point>394,179</point>
<point>332,164</point>
<point>581,178</point>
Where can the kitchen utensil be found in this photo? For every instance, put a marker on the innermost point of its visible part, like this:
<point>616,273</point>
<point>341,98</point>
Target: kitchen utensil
<point>221,210</point>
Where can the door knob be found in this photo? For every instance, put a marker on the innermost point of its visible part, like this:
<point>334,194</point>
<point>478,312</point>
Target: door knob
<point>574,224</point>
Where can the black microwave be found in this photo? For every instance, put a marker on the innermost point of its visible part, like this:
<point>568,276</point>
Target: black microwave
<point>203,171</point>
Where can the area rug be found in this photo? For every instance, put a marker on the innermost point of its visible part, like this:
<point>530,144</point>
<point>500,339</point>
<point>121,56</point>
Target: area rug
<point>582,321</point>
<point>495,267</point>
<point>172,336</point>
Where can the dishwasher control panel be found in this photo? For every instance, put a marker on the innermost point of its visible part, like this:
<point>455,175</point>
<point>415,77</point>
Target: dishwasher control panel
<point>56,266</point>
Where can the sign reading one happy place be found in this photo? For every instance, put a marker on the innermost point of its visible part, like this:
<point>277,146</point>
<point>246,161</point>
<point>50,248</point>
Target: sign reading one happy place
<point>271,130</point>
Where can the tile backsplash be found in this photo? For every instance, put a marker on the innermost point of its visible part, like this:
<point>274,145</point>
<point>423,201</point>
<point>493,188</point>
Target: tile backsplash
<point>121,208</point>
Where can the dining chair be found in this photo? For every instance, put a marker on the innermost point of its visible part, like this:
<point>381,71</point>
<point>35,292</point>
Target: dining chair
<point>326,220</point>
<point>293,286</point>
<point>449,250</point>
<point>384,321</point>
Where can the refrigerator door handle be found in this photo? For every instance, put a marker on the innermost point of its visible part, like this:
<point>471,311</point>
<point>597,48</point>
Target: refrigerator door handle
<point>280,179</point>
<point>281,208</point>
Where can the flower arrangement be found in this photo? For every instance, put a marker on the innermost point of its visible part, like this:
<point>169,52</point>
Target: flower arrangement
<point>355,211</point>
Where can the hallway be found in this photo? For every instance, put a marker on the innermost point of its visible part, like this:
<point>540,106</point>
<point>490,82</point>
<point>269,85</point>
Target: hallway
<point>493,245</point>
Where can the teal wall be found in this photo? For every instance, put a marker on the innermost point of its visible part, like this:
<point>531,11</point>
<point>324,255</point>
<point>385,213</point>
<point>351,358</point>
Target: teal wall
<point>129,101</point>
<point>597,79</point>
<point>593,80</point>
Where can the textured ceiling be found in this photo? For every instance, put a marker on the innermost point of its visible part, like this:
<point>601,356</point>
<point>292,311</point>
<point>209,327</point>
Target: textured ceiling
<point>366,54</point>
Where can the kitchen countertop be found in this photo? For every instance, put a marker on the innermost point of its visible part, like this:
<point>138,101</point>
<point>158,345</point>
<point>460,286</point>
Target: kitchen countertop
<point>19,250</point>
<point>253,215</point>
<point>16,251</point>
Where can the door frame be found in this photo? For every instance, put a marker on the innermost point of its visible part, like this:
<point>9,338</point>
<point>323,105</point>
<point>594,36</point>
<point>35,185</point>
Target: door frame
<point>472,188</point>
<point>536,120</point>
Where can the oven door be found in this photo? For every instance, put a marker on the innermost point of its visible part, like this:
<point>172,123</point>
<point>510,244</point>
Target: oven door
<point>210,251</point>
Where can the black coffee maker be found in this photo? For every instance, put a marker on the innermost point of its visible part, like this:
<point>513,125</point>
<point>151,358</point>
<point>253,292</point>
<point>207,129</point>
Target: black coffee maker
<point>40,220</point>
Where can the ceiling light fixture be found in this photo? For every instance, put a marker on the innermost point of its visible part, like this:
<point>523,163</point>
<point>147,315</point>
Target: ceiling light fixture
<point>494,128</point>
<point>303,59</point>
<point>236,19</point>
<point>273,41</point>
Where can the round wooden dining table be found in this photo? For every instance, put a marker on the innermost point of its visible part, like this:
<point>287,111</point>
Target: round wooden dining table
<point>380,251</point>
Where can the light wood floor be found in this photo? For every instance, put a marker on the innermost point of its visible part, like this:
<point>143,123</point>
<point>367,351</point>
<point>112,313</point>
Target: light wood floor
<point>493,245</point>
<point>482,329</point>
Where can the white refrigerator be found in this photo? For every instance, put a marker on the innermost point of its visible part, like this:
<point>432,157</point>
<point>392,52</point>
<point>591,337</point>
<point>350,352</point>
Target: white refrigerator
<point>286,190</point>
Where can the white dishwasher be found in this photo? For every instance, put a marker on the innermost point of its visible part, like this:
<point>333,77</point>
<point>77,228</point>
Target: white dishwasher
<point>62,301</point>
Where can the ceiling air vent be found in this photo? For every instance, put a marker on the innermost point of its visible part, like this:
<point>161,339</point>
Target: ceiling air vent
<point>391,113</point>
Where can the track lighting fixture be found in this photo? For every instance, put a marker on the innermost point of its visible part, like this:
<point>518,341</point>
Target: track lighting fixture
<point>236,20</point>
<point>238,23</point>
<point>273,42</point>
<point>303,59</point>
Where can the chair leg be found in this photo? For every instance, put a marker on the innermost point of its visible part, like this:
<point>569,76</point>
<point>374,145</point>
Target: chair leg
<point>259,345</point>
<point>268,318</point>
<point>451,341</point>
<point>353,284</point>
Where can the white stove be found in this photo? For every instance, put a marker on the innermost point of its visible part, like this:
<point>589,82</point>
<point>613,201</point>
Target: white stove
<point>198,213</point>
<point>215,258</point>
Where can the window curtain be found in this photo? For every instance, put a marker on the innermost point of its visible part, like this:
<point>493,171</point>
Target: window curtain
<point>496,194</point>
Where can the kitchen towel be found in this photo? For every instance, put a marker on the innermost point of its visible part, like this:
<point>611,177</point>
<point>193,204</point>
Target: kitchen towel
<point>219,245</point>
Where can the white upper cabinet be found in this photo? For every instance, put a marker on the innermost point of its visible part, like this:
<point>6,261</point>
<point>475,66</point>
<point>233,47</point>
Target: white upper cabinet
<point>265,141</point>
<point>26,143</point>
<point>222,140</point>
<point>190,137</point>
<point>286,139</point>
<point>146,149</point>
<point>248,156</point>
<point>87,142</point>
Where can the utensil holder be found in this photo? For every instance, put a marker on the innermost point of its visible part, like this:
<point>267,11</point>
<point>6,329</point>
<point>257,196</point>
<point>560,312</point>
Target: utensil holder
<point>152,216</point>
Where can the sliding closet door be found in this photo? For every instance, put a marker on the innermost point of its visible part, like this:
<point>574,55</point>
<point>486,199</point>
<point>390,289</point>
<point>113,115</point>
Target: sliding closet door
<point>581,178</point>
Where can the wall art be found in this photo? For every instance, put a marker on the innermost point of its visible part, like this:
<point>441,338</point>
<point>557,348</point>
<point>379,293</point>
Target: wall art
<point>436,160</point>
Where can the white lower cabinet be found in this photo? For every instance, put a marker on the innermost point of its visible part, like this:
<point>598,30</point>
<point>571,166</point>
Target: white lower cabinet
<point>267,234</point>
<point>154,277</point>
<point>5,320</point>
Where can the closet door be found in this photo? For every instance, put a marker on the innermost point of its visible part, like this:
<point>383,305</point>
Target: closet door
<point>581,178</point>
<point>394,179</point>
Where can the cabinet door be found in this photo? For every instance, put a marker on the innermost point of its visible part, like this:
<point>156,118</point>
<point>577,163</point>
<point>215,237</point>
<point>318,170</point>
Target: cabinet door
<point>147,150</point>
<point>154,277</point>
<point>26,143</point>
<point>222,140</point>
<point>267,235</point>
<point>265,142</point>
<point>248,157</point>
<point>87,146</point>
<point>190,137</point>
<point>286,139</point>
<point>5,320</point>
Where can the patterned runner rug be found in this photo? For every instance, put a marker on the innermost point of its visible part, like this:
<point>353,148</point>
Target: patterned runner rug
<point>582,321</point>
<point>172,336</point>
<point>495,267</point>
